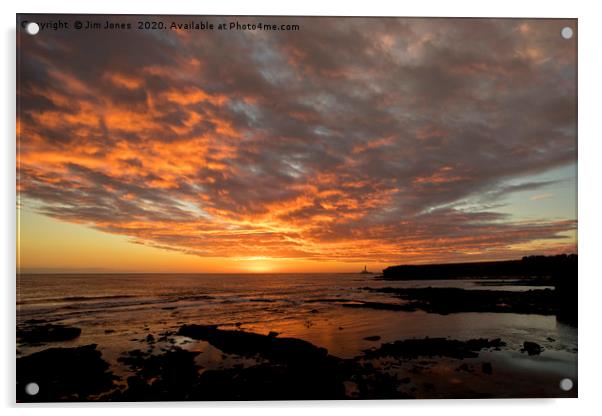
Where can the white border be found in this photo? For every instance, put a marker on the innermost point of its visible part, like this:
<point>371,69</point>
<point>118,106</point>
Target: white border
<point>590,210</point>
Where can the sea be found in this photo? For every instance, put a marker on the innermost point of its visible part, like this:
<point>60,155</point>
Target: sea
<point>118,311</point>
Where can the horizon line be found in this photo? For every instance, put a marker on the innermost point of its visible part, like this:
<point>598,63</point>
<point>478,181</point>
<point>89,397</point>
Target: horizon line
<point>113,272</point>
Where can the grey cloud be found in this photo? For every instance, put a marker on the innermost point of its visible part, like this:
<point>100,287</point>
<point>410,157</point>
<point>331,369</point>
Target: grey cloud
<point>440,110</point>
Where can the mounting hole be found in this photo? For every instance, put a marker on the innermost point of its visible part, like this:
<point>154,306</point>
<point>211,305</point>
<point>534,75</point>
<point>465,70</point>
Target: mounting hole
<point>32,389</point>
<point>566,32</point>
<point>566,384</point>
<point>32,28</point>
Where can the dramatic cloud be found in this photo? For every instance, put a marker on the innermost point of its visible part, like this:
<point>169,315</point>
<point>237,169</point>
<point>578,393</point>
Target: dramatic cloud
<point>349,139</point>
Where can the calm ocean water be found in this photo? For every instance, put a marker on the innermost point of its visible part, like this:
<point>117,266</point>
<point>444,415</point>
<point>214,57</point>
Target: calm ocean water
<point>118,311</point>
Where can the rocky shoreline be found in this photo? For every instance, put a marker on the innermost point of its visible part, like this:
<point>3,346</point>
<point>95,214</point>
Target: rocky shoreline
<point>275,369</point>
<point>453,300</point>
<point>172,362</point>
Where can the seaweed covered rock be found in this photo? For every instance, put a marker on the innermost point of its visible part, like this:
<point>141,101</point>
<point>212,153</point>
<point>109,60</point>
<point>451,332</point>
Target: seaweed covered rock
<point>170,376</point>
<point>296,369</point>
<point>64,374</point>
<point>37,334</point>
<point>532,348</point>
<point>251,344</point>
<point>434,347</point>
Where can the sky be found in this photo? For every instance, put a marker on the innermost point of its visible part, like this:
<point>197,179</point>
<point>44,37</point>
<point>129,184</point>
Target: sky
<point>349,142</point>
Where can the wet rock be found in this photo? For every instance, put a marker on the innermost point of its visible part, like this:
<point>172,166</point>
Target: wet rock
<point>428,386</point>
<point>532,348</point>
<point>372,338</point>
<point>379,306</point>
<point>487,368</point>
<point>269,382</point>
<point>164,336</point>
<point>381,385</point>
<point>64,374</point>
<point>36,321</point>
<point>250,344</point>
<point>38,334</point>
<point>290,369</point>
<point>453,300</point>
<point>284,369</point>
<point>416,369</point>
<point>465,367</point>
<point>433,347</point>
<point>172,375</point>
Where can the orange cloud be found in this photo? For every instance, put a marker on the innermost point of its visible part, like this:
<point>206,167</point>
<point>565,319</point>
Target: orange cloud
<point>441,176</point>
<point>301,147</point>
<point>123,80</point>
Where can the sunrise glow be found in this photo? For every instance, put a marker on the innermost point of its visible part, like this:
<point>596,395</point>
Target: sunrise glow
<point>254,152</point>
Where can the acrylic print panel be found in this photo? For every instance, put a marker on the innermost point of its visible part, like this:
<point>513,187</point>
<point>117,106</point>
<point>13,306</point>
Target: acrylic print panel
<point>260,208</point>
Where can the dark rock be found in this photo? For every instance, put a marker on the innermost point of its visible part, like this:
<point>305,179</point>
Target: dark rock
<point>487,368</point>
<point>416,369</point>
<point>286,369</point>
<point>431,347</point>
<point>170,376</point>
<point>164,337</point>
<point>379,306</point>
<point>380,385</point>
<point>428,386</point>
<point>314,311</point>
<point>532,348</point>
<point>328,300</point>
<point>64,374</point>
<point>270,382</point>
<point>559,271</point>
<point>294,369</point>
<point>273,334</point>
<point>38,334</point>
<point>150,338</point>
<point>465,367</point>
<point>250,344</point>
<point>453,300</point>
<point>36,321</point>
<point>546,266</point>
<point>372,338</point>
